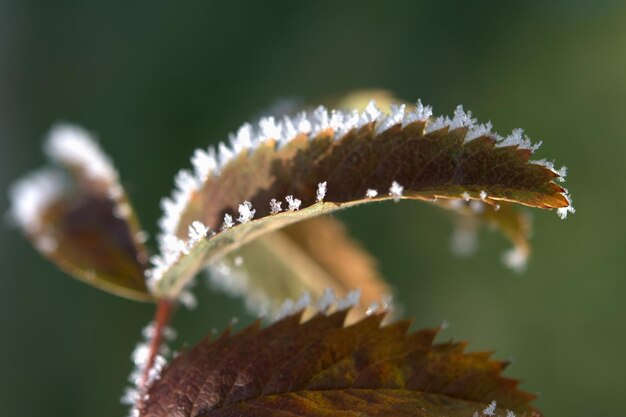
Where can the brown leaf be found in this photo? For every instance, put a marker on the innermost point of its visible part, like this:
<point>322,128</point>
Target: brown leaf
<point>320,368</point>
<point>398,156</point>
<point>306,257</point>
<point>83,220</point>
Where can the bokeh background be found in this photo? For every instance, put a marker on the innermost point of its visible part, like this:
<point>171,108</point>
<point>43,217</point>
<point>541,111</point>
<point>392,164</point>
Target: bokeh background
<point>158,79</point>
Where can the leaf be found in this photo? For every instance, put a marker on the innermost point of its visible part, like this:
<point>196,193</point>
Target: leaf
<point>306,257</point>
<point>405,155</point>
<point>82,219</point>
<point>320,368</point>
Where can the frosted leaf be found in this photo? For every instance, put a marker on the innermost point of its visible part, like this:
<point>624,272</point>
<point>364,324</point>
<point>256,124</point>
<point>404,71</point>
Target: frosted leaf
<point>294,203</point>
<point>32,195</point>
<point>396,191</point>
<point>321,191</point>
<point>275,206</point>
<point>371,193</point>
<point>491,409</point>
<point>246,212</point>
<point>74,146</point>
<point>228,222</point>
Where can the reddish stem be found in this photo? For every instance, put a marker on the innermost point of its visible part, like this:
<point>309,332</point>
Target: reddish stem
<point>162,317</point>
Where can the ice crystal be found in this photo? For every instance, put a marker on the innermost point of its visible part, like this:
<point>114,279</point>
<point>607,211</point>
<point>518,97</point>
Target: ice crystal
<point>371,193</point>
<point>491,409</point>
<point>327,299</point>
<point>517,138</point>
<point>321,191</point>
<point>246,212</point>
<point>228,222</point>
<point>204,163</point>
<point>352,299</point>
<point>275,206</point>
<point>75,147</point>
<point>563,212</point>
<point>197,231</point>
<point>396,191</point>
<point>483,195</point>
<point>510,413</point>
<point>294,203</point>
<point>32,195</point>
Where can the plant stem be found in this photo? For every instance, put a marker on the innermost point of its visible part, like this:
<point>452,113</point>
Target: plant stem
<point>162,317</point>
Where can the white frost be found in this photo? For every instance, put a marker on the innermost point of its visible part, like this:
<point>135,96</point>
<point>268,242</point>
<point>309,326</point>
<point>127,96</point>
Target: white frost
<point>321,191</point>
<point>294,203</point>
<point>73,146</point>
<point>32,195</point>
<point>228,222</point>
<point>490,410</point>
<point>396,191</point>
<point>246,212</point>
<point>275,206</point>
<point>371,193</point>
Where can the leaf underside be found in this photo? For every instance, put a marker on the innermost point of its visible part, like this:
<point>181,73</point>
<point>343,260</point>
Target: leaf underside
<point>320,368</point>
<point>306,257</point>
<point>435,165</point>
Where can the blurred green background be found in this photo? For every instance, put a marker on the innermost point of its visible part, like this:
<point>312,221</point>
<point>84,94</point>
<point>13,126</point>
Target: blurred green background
<point>158,79</point>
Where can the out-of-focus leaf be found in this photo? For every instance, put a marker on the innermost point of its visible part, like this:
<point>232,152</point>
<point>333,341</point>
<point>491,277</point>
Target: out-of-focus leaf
<point>306,257</point>
<point>320,368</point>
<point>82,219</point>
<point>402,155</point>
<point>511,220</point>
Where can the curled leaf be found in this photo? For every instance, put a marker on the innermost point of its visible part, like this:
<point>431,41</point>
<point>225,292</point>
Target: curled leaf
<point>81,219</point>
<point>320,368</point>
<point>311,257</point>
<point>317,163</point>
